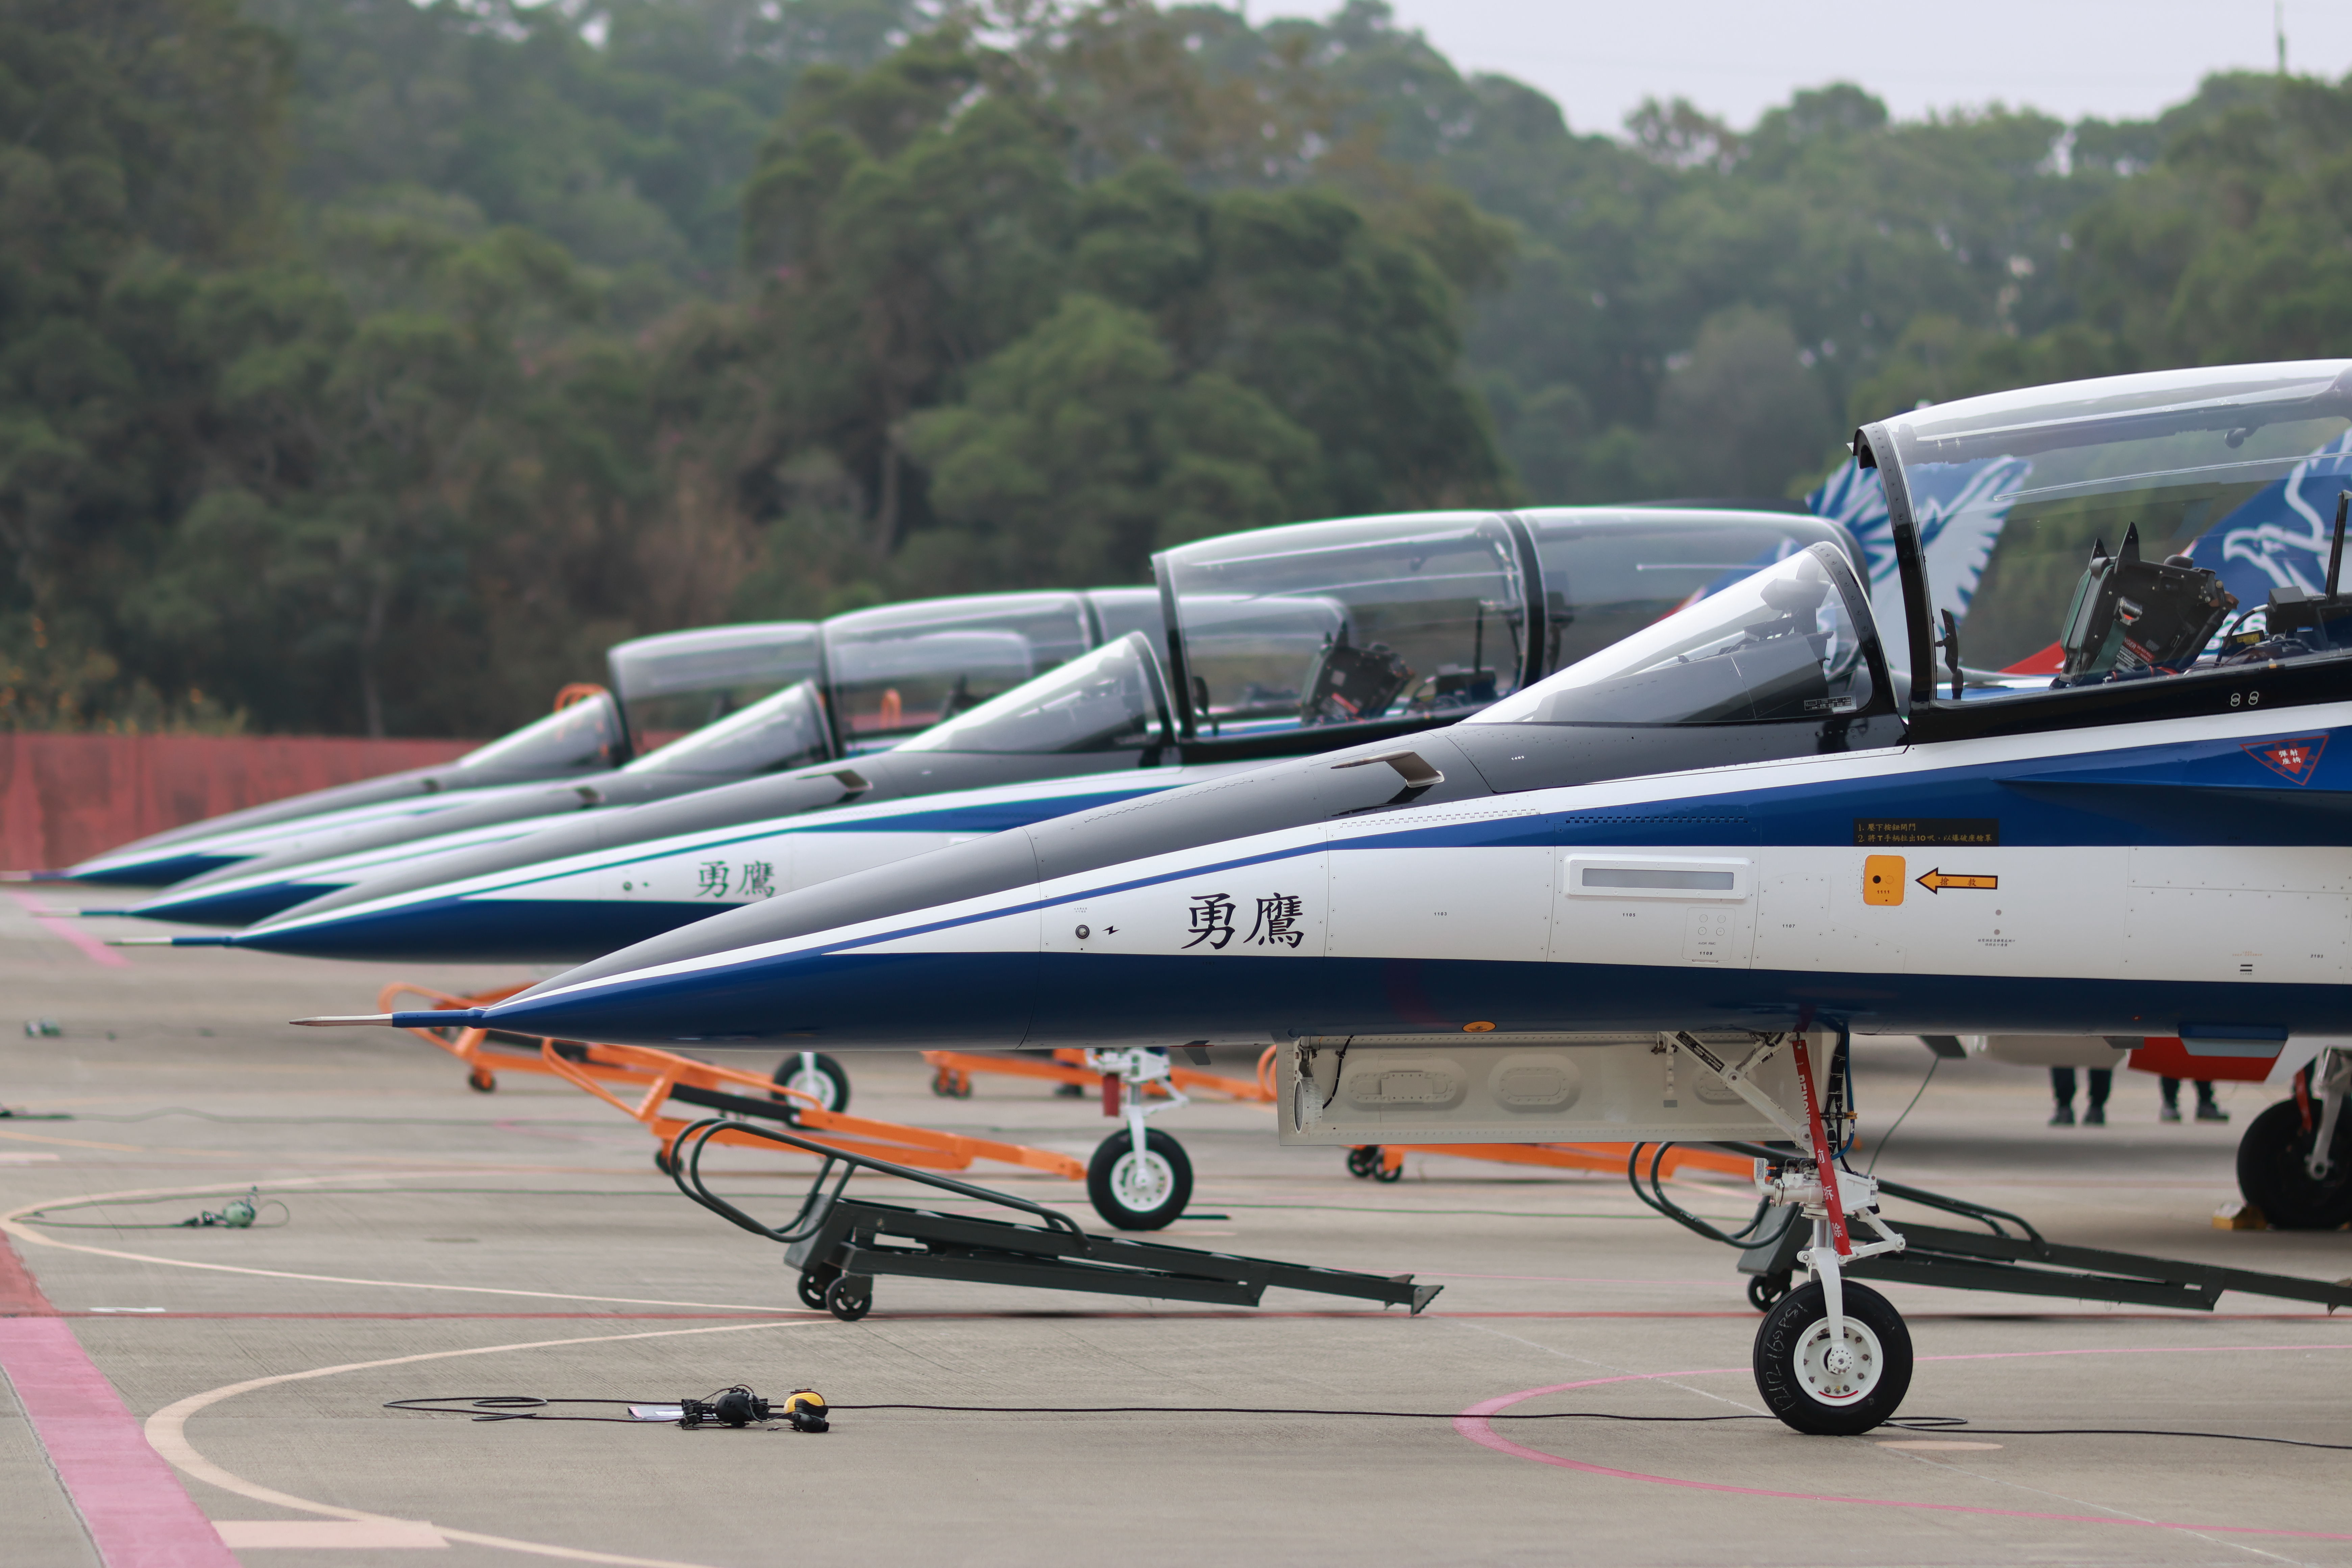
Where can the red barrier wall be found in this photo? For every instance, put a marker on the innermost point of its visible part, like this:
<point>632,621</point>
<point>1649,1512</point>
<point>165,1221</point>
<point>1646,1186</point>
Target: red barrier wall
<point>64,798</point>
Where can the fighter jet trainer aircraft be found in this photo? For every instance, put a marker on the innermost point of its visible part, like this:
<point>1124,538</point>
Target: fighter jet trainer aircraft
<point>699,709</point>
<point>1650,896</point>
<point>1264,616</point>
<point>591,733</point>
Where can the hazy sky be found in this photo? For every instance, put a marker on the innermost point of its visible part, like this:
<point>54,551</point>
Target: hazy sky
<point>2113,58</point>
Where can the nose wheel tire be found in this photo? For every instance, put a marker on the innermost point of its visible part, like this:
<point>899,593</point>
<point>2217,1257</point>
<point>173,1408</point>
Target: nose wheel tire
<point>828,1082</point>
<point>2273,1178</point>
<point>1824,1387</point>
<point>1139,1192</point>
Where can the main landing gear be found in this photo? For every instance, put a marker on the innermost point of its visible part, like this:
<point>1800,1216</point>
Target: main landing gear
<point>2294,1163</point>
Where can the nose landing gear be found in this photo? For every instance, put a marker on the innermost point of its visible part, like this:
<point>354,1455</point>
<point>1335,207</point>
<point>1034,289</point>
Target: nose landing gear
<point>1140,1178</point>
<point>1831,1357</point>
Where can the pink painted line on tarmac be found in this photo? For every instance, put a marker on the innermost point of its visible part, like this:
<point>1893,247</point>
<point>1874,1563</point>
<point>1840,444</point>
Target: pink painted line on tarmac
<point>1476,1424</point>
<point>91,948</point>
<point>138,1513</point>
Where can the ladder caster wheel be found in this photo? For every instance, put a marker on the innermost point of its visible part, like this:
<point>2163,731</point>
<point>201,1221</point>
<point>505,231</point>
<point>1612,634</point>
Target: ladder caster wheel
<point>1763,1289</point>
<point>1809,1385</point>
<point>812,1284</point>
<point>1140,1194</point>
<point>1362,1163</point>
<point>943,1084</point>
<point>828,1082</point>
<point>2272,1177</point>
<point>663,1164</point>
<point>482,1080</point>
<point>849,1297</point>
<point>1384,1172</point>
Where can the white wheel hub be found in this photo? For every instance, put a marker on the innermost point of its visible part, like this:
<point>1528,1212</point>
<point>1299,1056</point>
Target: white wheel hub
<point>817,1085</point>
<point>1142,1182</point>
<point>1836,1372</point>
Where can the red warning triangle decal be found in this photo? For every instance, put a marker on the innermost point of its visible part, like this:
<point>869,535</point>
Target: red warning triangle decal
<point>2293,760</point>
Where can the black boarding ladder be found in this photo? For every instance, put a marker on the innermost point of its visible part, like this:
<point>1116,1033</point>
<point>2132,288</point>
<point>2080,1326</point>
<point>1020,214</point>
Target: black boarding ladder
<point>841,1245</point>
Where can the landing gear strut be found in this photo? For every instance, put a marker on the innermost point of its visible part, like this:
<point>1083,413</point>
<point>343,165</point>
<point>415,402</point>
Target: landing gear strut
<point>1831,1357</point>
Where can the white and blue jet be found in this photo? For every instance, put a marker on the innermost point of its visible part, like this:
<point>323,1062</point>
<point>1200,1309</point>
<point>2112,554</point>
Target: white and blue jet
<point>1276,622</point>
<point>1649,896</point>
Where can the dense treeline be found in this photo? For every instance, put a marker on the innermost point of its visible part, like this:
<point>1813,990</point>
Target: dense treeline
<point>368,366</point>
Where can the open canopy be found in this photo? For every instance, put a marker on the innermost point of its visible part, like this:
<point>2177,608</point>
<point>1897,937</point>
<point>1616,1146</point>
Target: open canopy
<point>2141,527</point>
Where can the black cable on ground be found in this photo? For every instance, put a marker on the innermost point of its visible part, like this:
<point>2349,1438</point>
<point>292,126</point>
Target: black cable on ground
<point>525,1407</point>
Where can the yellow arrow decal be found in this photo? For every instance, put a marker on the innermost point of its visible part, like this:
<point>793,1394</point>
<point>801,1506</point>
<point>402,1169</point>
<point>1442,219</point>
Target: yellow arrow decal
<point>1936,882</point>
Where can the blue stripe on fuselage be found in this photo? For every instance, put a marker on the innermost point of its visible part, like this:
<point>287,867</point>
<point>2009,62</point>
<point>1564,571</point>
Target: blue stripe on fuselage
<point>486,931</point>
<point>1000,1000</point>
<point>1806,813</point>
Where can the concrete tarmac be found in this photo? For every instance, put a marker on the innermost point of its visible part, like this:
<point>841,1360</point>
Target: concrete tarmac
<point>439,1241</point>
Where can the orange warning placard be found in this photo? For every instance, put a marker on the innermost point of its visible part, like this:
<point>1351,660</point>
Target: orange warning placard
<point>1881,879</point>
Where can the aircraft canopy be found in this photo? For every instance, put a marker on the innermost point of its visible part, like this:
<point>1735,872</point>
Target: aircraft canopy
<point>583,734</point>
<point>898,669</point>
<point>783,729</point>
<point>681,681</point>
<point>1789,643</point>
<point>2126,527</point>
<point>1335,623</point>
<point>1098,702</point>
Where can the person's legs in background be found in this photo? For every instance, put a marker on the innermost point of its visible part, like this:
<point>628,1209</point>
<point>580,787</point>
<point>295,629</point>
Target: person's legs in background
<point>2062,1085</point>
<point>2170,1088</point>
<point>2095,1107</point>
<point>2208,1108</point>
